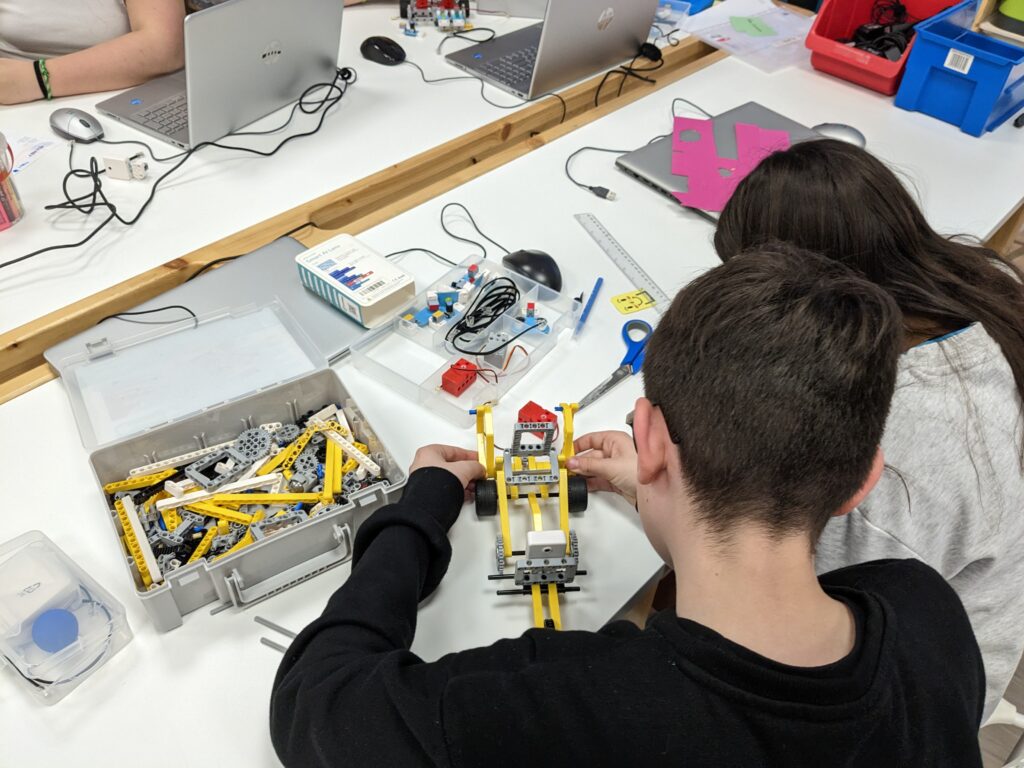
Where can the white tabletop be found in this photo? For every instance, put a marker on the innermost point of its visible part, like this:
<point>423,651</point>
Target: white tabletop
<point>211,675</point>
<point>388,116</point>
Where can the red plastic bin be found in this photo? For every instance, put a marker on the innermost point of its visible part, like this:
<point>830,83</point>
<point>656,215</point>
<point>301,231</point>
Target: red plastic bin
<point>838,19</point>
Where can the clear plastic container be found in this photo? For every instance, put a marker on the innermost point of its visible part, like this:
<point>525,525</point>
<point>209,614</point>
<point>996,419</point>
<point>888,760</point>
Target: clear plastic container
<point>11,209</point>
<point>200,382</point>
<point>57,625</point>
<point>412,356</point>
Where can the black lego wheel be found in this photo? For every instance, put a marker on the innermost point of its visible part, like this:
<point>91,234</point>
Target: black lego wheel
<point>577,494</point>
<point>486,498</point>
<point>403,8</point>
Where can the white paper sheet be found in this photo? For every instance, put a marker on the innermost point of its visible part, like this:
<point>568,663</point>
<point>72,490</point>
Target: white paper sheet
<point>784,48</point>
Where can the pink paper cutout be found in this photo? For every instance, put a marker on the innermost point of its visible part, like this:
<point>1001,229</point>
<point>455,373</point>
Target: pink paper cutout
<point>711,180</point>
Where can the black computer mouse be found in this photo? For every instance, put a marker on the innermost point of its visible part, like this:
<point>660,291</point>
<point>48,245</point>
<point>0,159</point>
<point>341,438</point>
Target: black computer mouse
<point>537,266</point>
<point>382,50</point>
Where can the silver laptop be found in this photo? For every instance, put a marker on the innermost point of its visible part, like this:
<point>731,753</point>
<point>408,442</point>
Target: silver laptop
<point>243,60</point>
<point>652,164</point>
<point>577,38</point>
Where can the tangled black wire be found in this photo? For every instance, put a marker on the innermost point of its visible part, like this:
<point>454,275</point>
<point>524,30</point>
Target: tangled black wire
<point>95,198</point>
<point>495,298</point>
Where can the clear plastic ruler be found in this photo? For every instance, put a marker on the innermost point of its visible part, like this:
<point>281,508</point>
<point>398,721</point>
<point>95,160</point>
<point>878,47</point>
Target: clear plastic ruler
<point>621,258</point>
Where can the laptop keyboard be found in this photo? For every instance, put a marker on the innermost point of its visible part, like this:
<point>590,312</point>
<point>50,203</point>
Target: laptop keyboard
<point>514,68</point>
<point>167,117</point>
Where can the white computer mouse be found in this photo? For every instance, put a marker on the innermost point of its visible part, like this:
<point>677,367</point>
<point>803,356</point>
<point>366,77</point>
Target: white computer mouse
<point>842,132</point>
<point>76,125</point>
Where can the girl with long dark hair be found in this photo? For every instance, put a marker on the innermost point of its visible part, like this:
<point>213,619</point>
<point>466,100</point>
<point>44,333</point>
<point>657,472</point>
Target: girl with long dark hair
<point>954,442</point>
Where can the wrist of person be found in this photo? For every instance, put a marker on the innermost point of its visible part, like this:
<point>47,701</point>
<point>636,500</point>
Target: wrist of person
<point>18,82</point>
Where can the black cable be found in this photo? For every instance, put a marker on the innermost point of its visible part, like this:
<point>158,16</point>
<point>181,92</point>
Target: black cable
<point>494,300</point>
<point>211,265</point>
<point>435,80</point>
<point>466,34</point>
<point>695,106</point>
<point>472,221</point>
<point>668,36</point>
<point>335,91</point>
<point>124,315</point>
<point>437,256</point>
<point>631,70</point>
<point>603,192</point>
<point>143,144</point>
<point>226,259</point>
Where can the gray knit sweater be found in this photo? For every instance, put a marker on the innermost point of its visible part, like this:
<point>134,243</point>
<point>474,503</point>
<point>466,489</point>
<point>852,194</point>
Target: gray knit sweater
<point>954,436</point>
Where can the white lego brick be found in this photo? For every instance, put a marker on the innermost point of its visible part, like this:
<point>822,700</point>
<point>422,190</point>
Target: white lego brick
<point>545,544</point>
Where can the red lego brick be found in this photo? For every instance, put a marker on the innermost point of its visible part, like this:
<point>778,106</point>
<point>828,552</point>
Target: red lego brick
<point>459,377</point>
<point>531,412</point>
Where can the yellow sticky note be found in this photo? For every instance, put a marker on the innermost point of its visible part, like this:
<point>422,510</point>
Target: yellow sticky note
<point>634,301</point>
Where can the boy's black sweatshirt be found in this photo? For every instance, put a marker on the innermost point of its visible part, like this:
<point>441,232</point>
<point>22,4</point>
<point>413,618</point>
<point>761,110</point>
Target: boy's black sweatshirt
<point>350,693</point>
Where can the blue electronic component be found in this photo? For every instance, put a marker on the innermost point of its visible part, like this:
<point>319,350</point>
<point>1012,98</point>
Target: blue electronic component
<point>422,317</point>
<point>447,299</point>
<point>54,630</point>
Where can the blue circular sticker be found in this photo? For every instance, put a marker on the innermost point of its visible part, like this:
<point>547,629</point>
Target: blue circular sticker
<point>55,630</point>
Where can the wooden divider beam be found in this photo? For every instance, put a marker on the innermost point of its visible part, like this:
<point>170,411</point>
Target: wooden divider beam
<point>21,350</point>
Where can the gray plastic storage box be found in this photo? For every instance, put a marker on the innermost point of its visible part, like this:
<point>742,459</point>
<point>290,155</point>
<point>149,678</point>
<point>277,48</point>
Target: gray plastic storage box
<point>193,384</point>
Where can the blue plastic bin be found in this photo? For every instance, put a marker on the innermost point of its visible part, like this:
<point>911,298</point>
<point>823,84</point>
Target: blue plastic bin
<point>962,77</point>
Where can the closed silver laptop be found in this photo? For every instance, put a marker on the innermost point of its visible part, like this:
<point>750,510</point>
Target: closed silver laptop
<point>243,59</point>
<point>652,163</point>
<point>577,38</point>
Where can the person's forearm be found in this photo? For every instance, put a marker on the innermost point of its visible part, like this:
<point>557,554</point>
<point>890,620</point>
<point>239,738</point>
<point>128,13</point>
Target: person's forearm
<point>344,661</point>
<point>119,63</point>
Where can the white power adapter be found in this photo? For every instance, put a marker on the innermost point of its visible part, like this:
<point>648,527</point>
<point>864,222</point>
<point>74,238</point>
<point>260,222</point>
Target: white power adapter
<point>125,169</point>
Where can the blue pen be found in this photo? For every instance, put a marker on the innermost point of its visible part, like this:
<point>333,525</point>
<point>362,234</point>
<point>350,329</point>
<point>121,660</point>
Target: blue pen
<point>589,306</point>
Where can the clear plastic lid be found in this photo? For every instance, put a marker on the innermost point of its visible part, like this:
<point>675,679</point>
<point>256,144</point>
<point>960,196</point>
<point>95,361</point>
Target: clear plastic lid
<point>122,387</point>
<point>57,625</point>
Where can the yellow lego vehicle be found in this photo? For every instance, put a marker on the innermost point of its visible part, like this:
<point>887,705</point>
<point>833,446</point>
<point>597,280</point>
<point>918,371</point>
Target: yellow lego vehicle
<point>532,470</point>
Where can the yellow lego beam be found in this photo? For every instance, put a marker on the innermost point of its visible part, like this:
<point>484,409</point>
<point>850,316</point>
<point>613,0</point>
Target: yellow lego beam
<point>506,530</point>
<point>553,609</point>
<point>538,517</point>
<point>563,504</point>
<point>538,606</point>
<point>568,427</point>
<point>142,481</point>
<point>332,468</point>
<point>292,451</point>
<point>485,437</point>
<point>171,519</point>
<point>266,498</point>
<point>209,509</point>
<point>204,545</point>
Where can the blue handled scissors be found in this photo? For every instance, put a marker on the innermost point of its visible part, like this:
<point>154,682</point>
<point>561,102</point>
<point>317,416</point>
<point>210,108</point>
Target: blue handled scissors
<point>636,334</point>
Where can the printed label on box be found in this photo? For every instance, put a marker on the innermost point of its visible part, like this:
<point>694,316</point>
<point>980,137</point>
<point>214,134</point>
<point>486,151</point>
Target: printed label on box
<point>958,61</point>
<point>363,276</point>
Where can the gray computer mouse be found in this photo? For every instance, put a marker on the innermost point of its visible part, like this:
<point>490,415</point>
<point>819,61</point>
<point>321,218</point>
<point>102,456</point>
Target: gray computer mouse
<point>841,132</point>
<point>76,125</point>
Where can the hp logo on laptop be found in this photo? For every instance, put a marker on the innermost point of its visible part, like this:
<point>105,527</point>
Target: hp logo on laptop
<point>271,53</point>
<point>605,19</point>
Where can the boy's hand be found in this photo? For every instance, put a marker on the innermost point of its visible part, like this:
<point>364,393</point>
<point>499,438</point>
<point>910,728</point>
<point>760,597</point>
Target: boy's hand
<point>460,462</point>
<point>608,461</point>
